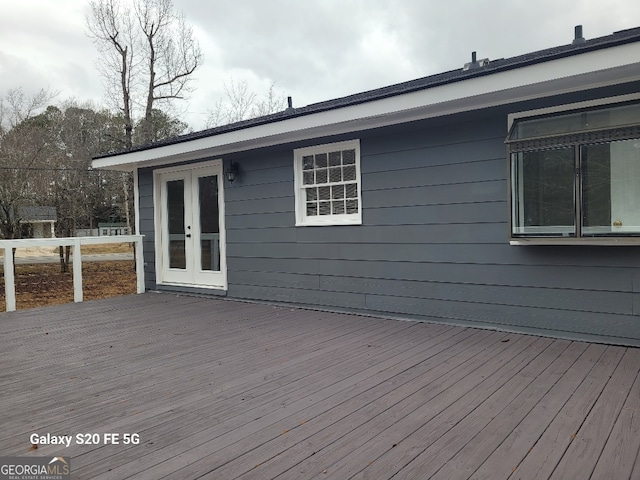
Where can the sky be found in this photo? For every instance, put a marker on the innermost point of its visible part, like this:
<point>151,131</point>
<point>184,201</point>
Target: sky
<point>311,50</point>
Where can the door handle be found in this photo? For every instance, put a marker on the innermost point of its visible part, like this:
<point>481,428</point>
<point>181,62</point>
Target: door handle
<point>188,235</point>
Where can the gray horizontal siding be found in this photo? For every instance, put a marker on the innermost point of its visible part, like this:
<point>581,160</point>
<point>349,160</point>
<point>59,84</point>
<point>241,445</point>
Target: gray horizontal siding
<point>473,192</point>
<point>480,254</point>
<point>146,209</point>
<point>483,314</point>
<point>561,277</point>
<point>238,194</point>
<point>392,216</point>
<point>300,296</point>
<point>260,220</point>
<point>452,131</point>
<point>146,224</point>
<point>552,298</point>
<point>537,317</point>
<point>262,235</point>
<point>388,234</point>
<point>458,174</point>
<point>460,213</point>
<point>264,177</point>
<point>265,205</point>
<point>425,234</point>
<point>422,156</point>
<point>433,243</point>
<point>275,279</point>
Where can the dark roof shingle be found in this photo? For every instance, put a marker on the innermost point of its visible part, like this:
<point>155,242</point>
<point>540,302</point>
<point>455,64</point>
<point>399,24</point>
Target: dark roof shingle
<point>493,66</point>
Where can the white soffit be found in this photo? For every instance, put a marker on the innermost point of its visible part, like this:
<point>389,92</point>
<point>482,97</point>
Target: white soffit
<point>577,72</point>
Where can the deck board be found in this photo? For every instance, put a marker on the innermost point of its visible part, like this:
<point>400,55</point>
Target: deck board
<point>472,440</point>
<point>224,389</point>
<point>516,444</point>
<point>580,458</point>
<point>621,450</point>
<point>436,418</point>
<point>284,451</point>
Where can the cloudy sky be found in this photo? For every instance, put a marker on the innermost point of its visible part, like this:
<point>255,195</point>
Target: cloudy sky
<point>313,50</point>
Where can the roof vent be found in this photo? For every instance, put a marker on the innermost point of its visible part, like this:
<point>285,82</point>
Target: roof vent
<point>475,63</point>
<point>578,38</point>
<point>289,105</point>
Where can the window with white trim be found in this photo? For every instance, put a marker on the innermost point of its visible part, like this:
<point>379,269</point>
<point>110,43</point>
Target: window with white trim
<point>327,184</point>
<point>577,174</point>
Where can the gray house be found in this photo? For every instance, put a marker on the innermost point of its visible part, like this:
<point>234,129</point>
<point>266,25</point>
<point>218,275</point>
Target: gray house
<point>38,221</point>
<point>504,194</point>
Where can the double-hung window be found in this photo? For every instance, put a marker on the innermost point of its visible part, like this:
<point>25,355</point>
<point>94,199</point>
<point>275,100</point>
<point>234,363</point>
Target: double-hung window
<point>327,184</point>
<point>576,175</point>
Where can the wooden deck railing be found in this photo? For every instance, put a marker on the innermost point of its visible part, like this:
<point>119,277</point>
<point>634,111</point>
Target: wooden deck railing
<point>75,243</point>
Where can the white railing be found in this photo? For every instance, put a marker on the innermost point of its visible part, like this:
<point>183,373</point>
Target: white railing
<point>75,243</point>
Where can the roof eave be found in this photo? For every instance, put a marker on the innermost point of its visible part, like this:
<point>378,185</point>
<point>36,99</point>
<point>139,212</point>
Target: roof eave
<point>598,67</point>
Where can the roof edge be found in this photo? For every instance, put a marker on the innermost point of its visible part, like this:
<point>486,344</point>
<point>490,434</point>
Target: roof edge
<point>618,38</point>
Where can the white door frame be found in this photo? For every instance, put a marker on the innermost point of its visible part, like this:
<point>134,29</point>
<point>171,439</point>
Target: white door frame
<point>199,278</point>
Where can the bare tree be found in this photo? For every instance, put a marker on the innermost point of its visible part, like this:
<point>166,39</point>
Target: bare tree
<point>240,100</point>
<point>271,102</point>
<point>114,32</point>
<point>149,54</point>
<point>241,103</point>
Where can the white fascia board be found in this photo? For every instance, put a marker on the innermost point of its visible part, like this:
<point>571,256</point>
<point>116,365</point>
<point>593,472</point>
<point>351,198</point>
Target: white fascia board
<point>555,75</point>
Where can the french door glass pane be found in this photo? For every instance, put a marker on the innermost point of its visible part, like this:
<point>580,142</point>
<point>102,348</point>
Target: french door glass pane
<point>175,212</point>
<point>209,222</point>
<point>611,188</point>
<point>543,184</point>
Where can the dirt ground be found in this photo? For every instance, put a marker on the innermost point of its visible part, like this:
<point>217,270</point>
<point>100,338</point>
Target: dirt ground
<point>39,285</point>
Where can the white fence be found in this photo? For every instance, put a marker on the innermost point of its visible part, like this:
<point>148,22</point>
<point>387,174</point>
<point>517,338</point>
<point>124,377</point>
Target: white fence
<point>75,243</point>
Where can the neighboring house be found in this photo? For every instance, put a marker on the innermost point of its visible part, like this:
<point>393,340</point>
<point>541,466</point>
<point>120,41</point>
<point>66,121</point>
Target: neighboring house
<point>38,222</point>
<point>109,229</point>
<point>87,232</point>
<point>504,195</point>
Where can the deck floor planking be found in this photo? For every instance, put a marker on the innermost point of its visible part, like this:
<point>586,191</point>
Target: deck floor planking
<point>237,390</point>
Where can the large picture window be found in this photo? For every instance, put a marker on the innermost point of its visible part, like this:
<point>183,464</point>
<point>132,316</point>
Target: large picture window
<point>327,184</point>
<point>576,175</point>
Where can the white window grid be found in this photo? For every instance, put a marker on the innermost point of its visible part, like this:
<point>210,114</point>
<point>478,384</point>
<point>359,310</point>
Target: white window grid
<point>328,184</point>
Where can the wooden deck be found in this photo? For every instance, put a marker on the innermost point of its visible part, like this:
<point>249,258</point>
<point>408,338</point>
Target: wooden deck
<point>223,390</point>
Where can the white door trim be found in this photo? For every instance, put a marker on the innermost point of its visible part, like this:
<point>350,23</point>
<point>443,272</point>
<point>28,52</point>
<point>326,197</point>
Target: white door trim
<point>159,222</point>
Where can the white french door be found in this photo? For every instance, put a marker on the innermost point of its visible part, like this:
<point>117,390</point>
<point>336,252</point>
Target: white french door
<point>191,240</point>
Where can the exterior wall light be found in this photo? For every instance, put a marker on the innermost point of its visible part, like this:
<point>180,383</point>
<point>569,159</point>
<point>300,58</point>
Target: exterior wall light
<point>231,172</point>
